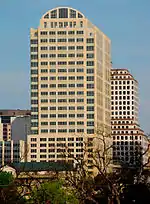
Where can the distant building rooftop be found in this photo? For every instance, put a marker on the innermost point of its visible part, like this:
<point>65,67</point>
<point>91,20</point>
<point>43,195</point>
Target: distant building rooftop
<point>17,112</point>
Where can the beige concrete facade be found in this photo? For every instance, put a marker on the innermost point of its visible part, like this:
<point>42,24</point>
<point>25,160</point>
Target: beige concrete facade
<point>70,83</point>
<point>12,151</point>
<point>126,132</point>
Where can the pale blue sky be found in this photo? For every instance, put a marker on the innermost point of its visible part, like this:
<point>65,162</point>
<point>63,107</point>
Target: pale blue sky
<point>126,22</point>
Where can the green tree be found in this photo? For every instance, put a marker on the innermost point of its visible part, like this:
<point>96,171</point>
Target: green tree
<point>52,193</point>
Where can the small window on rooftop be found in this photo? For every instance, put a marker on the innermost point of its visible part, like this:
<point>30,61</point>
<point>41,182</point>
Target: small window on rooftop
<point>63,13</point>
<point>54,14</point>
<point>46,16</point>
<point>72,13</point>
<point>79,15</point>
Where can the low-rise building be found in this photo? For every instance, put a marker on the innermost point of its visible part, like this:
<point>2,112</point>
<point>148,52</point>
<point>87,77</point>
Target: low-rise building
<point>12,151</point>
<point>14,124</point>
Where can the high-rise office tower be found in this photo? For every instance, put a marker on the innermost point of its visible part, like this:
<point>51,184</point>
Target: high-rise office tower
<point>70,84</point>
<point>126,132</point>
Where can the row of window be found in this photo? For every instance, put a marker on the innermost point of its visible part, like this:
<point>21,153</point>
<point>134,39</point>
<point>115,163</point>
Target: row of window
<point>122,97</point>
<point>125,132</point>
<point>89,131</point>
<point>122,87</point>
<point>122,113</point>
<point>121,92</point>
<point>127,143</point>
<point>89,108</point>
<point>126,137</point>
<point>122,82</point>
<point>45,78</point>
<point>78,100</point>
<point>53,40</point>
<point>122,108</point>
<point>56,150</point>
<point>63,13</point>
<point>89,116</point>
<point>72,24</point>
<point>124,103</point>
<point>78,55</point>
<point>122,122</point>
<point>89,123</point>
<point>35,86</point>
<point>62,139</point>
<point>63,70</point>
<point>122,117</point>
<point>62,63</point>
<point>122,77</point>
<point>88,93</point>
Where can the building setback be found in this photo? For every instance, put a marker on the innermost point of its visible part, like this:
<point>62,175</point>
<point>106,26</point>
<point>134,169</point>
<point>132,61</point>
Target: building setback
<point>126,132</point>
<point>70,84</point>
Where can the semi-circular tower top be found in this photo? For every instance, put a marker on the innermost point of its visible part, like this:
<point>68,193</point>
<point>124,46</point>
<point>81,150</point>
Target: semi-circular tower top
<point>63,12</point>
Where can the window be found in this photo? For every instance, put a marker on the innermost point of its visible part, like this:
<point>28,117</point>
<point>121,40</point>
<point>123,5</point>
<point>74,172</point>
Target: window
<point>80,77</point>
<point>79,130</point>
<point>90,48</point>
<point>52,70</point>
<point>90,116</point>
<point>80,39</point>
<point>90,40</point>
<point>80,32</point>
<point>34,42</point>
<point>90,63</point>
<point>72,13</point>
<point>63,13</point>
<point>54,14</point>
<point>90,55</point>
<point>80,70</point>
<point>90,108</point>
<point>62,115</point>
<point>62,40</point>
<point>62,108</point>
<point>71,47</point>
<point>71,32</point>
<point>52,48</point>
<point>90,123</point>
<point>90,71</point>
<point>34,49</point>
<point>71,123</point>
<point>90,78</point>
<point>43,40</point>
<point>90,101</point>
<point>61,33</point>
<point>80,85</point>
<point>71,115</point>
<point>80,47</point>
<point>52,33</point>
<point>80,115</point>
<point>71,108</point>
<point>71,40</point>
<point>90,93</point>
<point>33,139</point>
<point>80,100</point>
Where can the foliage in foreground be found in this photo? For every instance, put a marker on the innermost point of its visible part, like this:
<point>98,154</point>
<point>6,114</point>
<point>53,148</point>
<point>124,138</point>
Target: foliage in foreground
<point>53,193</point>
